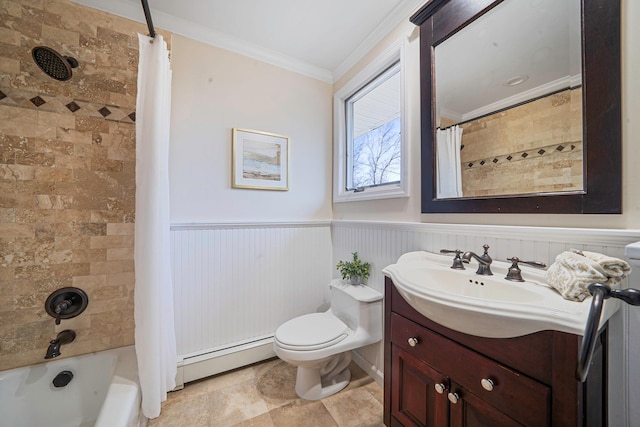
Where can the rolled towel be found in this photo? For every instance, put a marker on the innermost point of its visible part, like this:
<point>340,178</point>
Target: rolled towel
<point>572,273</point>
<point>613,267</point>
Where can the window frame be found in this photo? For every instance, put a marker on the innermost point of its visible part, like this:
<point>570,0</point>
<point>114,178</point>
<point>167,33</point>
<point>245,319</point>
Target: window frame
<point>396,53</point>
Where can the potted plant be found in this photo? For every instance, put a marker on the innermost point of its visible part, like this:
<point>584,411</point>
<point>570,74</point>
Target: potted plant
<point>356,271</point>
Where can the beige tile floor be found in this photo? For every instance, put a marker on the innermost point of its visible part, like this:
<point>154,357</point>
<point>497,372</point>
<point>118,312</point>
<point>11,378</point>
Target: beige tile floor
<point>262,395</point>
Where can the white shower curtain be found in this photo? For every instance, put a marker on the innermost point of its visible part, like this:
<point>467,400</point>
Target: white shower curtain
<point>448,168</point>
<point>154,327</point>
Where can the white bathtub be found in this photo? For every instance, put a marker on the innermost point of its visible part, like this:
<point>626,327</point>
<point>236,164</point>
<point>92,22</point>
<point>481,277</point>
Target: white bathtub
<point>104,392</point>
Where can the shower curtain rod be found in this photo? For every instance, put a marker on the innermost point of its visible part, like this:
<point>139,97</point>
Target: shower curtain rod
<point>147,16</point>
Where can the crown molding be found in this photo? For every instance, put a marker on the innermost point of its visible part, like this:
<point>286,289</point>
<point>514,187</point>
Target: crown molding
<point>567,82</point>
<point>201,33</point>
<point>393,19</point>
<point>206,35</point>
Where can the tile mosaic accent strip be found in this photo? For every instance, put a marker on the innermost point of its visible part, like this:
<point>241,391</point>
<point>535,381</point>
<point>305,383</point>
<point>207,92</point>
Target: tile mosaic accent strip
<point>72,106</point>
<point>37,101</point>
<point>533,153</point>
<point>59,104</point>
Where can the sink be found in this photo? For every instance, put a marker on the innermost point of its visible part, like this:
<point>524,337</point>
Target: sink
<point>487,306</point>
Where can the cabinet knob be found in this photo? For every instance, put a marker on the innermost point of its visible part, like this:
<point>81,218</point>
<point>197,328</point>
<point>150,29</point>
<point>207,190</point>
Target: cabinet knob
<point>487,384</point>
<point>453,397</point>
<point>440,388</point>
<point>413,341</point>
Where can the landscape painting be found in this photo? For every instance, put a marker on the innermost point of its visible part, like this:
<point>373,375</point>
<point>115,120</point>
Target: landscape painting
<point>260,160</point>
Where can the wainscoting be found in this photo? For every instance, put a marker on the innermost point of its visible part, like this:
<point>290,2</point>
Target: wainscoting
<point>236,283</point>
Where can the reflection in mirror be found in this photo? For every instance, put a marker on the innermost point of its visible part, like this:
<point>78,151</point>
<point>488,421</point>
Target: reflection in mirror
<point>509,103</point>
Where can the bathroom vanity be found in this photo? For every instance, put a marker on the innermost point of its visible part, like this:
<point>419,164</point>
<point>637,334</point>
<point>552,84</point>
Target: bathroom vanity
<point>435,376</point>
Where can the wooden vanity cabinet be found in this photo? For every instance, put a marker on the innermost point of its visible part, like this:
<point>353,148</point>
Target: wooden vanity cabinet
<point>435,376</point>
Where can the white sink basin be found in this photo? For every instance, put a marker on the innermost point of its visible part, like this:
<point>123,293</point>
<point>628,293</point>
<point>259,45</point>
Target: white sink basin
<point>487,306</point>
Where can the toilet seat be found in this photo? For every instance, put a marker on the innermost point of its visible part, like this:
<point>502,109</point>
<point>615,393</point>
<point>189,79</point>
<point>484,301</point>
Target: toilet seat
<point>311,332</point>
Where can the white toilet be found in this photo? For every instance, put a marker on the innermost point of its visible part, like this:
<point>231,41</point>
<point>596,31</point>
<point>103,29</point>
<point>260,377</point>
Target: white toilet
<point>320,344</point>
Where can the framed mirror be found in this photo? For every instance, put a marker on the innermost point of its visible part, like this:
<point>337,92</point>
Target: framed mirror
<point>520,106</point>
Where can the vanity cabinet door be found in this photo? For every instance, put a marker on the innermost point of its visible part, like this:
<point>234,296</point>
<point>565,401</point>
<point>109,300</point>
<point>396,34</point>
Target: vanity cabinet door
<point>414,398</point>
<point>505,389</point>
<point>468,410</point>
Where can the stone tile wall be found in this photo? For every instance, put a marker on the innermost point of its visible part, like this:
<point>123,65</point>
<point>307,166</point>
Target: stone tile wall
<point>535,147</point>
<point>67,177</point>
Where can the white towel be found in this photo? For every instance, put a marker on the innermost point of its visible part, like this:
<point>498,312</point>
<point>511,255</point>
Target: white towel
<point>572,273</point>
<point>613,267</point>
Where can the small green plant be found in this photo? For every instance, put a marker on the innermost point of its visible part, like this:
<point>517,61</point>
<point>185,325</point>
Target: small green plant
<point>355,268</point>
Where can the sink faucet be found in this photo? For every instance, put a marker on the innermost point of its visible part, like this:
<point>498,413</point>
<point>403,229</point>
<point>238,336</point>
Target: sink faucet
<point>64,337</point>
<point>484,261</point>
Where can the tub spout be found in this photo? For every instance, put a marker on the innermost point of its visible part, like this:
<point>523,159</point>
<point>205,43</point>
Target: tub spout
<point>64,337</point>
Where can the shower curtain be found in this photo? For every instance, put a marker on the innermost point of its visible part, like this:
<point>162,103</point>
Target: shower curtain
<point>448,168</point>
<point>153,311</point>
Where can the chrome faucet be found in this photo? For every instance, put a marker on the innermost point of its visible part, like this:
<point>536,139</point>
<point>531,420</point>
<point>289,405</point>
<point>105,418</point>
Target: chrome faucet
<point>484,261</point>
<point>64,337</point>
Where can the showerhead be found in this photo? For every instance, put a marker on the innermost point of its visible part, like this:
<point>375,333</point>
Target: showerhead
<point>52,63</point>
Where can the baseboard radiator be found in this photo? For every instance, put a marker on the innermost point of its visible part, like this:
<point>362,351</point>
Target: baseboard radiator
<point>234,284</point>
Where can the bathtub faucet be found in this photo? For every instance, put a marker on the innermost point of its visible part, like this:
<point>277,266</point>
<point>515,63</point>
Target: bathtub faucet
<point>64,337</point>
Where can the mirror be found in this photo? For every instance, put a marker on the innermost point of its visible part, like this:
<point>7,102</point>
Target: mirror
<point>509,99</point>
<point>529,89</point>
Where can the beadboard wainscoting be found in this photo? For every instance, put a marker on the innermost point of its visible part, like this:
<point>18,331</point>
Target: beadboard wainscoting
<point>381,243</point>
<point>236,283</point>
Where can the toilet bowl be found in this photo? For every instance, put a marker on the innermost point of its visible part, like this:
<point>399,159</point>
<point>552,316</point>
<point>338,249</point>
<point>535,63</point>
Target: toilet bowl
<point>320,344</point>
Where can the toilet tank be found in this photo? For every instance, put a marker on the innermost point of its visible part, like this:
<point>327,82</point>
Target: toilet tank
<point>356,305</point>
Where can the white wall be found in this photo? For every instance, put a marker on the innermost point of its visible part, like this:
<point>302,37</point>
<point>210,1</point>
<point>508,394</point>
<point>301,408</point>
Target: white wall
<point>406,208</point>
<point>409,210</point>
<point>215,90</point>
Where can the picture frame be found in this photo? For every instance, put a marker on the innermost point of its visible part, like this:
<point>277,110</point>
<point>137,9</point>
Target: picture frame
<point>260,160</point>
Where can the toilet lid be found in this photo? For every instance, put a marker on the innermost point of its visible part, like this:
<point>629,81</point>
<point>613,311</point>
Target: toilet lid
<point>311,332</point>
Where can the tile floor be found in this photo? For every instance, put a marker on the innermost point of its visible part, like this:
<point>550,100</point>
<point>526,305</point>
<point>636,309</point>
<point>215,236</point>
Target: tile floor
<point>262,395</point>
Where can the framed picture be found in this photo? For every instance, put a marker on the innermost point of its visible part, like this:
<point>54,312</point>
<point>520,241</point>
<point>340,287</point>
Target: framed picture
<point>260,160</point>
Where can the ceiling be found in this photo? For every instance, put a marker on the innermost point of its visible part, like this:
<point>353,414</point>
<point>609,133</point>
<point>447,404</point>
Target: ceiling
<point>322,39</point>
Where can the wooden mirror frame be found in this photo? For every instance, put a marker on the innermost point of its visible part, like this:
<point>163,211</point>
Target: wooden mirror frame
<point>602,123</point>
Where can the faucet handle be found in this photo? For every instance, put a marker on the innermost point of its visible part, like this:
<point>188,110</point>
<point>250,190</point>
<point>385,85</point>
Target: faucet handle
<point>449,251</point>
<point>515,274</point>
<point>536,264</point>
<point>457,261</point>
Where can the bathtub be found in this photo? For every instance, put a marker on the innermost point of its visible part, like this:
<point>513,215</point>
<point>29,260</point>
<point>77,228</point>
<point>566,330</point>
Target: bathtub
<point>104,392</point>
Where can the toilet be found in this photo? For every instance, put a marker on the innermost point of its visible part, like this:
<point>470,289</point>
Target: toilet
<point>320,344</point>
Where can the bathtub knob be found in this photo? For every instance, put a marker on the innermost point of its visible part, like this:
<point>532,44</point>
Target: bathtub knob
<point>66,303</point>
<point>413,341</point>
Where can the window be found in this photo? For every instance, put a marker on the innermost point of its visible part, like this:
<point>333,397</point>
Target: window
<point>374,132</point>
<point>370,160</point>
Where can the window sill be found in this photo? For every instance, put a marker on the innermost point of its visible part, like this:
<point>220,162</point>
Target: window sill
<point>390,192</point>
